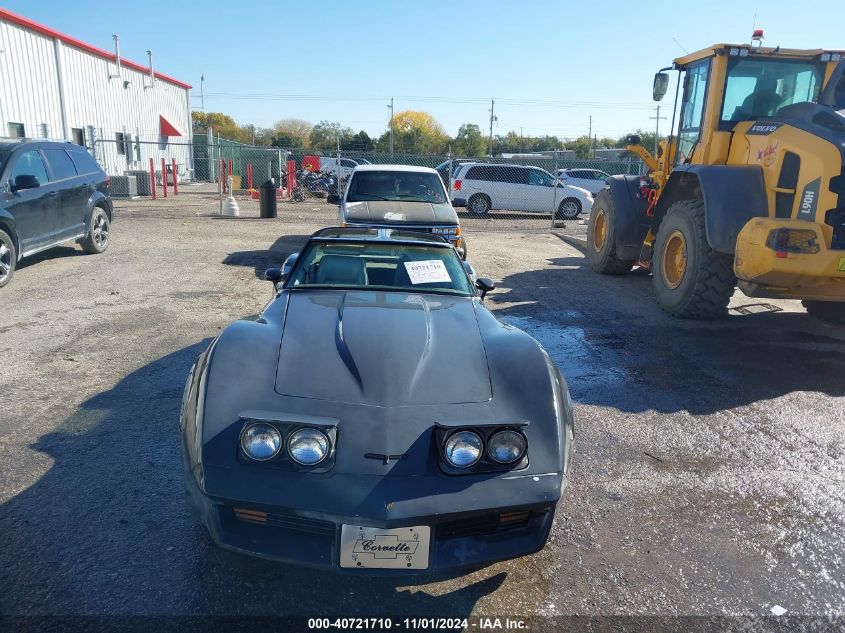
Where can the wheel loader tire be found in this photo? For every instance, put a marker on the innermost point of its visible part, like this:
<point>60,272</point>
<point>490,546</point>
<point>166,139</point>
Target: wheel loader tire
<point>601,244</point>
<point>831,311</point>
<point>691,280</point>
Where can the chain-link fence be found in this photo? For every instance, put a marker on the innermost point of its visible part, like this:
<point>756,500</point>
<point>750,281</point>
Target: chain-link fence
<point>520,192</point>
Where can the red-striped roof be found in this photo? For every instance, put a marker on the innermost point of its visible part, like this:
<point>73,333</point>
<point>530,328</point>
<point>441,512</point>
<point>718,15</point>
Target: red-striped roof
<point>72,41</point>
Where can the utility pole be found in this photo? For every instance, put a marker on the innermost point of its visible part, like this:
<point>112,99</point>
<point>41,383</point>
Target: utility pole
<point>656,118</point>
<point>492,119</point>
<point>391,125</point>
<point>202,92</point>
<point>253,133</point>
<point>590,133</point>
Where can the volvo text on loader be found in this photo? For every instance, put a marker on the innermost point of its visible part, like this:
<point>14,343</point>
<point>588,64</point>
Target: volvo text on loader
<point>749,190</point>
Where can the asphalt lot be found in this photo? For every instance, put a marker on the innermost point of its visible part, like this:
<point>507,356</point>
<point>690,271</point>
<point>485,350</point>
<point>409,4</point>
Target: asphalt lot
<point>709,477</point>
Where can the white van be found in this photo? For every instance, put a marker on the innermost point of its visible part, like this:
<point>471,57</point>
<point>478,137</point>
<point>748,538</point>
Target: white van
<point>328,164</point>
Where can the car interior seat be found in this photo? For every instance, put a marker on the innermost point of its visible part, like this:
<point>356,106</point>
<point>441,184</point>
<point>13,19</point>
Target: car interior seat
<point>341,270</point>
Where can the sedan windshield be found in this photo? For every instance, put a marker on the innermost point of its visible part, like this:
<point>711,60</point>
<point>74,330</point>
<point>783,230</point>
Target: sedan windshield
<point>380,266</point>
<point>408,186</point>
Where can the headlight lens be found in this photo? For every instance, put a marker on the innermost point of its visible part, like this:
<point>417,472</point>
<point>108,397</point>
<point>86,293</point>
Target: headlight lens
<point>506,447</point>
<point>308,446</point>
<point>261,441</point>
<point>463,449</point>
<point>449,232</point>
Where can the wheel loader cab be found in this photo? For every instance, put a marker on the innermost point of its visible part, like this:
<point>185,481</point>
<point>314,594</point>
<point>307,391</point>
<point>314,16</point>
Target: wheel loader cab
<point>748,189</point>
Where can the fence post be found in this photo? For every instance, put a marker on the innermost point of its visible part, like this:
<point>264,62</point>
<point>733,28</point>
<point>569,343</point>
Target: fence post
<point>449,184</point>
<point>554,197</point>
<point>175,184</point>
<point>164,177</point>
<point>249,175</point>
<point>152,179</point>
<point>338,174</point>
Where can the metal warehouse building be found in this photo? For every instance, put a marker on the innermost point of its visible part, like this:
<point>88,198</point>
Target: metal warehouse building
<point>55,86</point>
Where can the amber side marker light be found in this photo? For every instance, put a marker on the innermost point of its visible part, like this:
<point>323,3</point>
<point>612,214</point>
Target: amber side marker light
<point>507,519</point>
<point>250,516</point>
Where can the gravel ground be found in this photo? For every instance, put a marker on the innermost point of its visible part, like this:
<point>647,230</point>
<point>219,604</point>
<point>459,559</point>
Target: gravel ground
<point>709,477</point>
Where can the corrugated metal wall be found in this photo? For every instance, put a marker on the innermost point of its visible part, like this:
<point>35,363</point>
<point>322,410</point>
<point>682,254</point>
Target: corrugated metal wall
<point>99,105</point>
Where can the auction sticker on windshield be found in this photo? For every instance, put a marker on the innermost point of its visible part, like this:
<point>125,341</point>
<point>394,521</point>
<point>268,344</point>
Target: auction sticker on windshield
<point>380,548</point>
<point>427,271</point>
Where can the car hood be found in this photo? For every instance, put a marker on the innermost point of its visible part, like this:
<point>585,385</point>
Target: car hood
<point>382,349</point>
<point>393,211</point>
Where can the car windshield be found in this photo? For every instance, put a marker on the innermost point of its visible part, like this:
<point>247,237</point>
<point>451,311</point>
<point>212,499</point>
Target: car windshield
<point>409,186</point>
<point>380,266</point>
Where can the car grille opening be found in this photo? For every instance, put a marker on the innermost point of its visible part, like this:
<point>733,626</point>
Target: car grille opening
<point>287,521</point>
<point>484,524</point>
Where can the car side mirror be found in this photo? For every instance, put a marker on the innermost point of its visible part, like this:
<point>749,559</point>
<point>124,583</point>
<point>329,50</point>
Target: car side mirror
<point>485,285</point>
<point>332,198</point>
<point>661,85</point>
<point>25,181</point>
<point>274,275</point>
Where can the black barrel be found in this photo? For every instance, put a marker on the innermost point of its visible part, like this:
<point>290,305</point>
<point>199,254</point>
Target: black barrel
<point>267,199</point>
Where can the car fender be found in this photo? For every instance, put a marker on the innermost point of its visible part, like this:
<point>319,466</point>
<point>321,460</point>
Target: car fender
<point>527,386</point>
<point>7,223</point>
<point>98,199</point>
<point>732,195</point>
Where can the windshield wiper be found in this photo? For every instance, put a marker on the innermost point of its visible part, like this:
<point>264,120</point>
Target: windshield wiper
<point>370,195</point>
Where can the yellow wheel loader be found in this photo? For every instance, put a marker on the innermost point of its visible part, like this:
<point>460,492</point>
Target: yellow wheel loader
<point>748,191</point>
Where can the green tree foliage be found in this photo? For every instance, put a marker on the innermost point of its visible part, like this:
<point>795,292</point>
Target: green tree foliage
<point>326,135</point>
<point>469,141</point>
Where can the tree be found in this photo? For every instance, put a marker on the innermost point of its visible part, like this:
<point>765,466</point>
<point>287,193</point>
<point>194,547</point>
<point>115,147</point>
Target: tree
<point>360,142</point>
<point>469,141</point>
<point>418,132</point>
<point>326,135</point>
<point>292,133</point>
<point>221,124</point>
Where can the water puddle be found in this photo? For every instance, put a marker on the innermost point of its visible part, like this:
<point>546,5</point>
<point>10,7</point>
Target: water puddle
<point>588,360</point>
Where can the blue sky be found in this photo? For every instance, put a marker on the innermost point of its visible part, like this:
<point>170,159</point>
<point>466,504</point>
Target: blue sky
<point>344,60</point>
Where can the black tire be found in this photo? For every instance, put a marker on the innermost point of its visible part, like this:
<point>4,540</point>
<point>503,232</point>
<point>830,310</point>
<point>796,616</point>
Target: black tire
<point>96,240</point>
<point>568,209</point>
<point>704,287</point>
<point>831,311</point>
<point>479,204</point>
<point>601,248</point>
<point>8,258</point>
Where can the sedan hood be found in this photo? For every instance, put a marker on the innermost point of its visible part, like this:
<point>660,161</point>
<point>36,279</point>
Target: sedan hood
<point>393,211</point>
<point>382,349</point>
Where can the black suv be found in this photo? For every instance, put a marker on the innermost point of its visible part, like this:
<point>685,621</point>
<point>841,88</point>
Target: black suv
<point>50,192</point>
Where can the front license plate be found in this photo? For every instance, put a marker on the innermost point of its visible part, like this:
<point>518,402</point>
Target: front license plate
<point>380,548</point>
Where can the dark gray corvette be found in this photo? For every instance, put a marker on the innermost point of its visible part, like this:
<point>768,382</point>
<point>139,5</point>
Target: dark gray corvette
<point>376,416</point>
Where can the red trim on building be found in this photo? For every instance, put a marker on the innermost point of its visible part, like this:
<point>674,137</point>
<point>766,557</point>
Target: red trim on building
<point>167,128</point>
<point>72,41</point>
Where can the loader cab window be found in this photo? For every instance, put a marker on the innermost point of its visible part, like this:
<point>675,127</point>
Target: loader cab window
<point>692,108</point>
<point>758,88</point>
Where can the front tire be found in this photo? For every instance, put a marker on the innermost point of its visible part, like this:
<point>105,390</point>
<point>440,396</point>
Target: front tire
<point>96,241</point>
<point>601,242</point>
<point>479,204</point>
<point>690,279</point>
<point>568,209</point>
<point>830,311</point>
<point>8,258</point>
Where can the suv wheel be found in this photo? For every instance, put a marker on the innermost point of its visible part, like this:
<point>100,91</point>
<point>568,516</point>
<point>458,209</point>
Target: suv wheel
<point>8,258</point>
<point>479,204</point>
<point>97,239</point>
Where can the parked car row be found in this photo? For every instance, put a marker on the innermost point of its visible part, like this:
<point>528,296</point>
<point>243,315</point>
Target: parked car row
<point>50,192</point>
